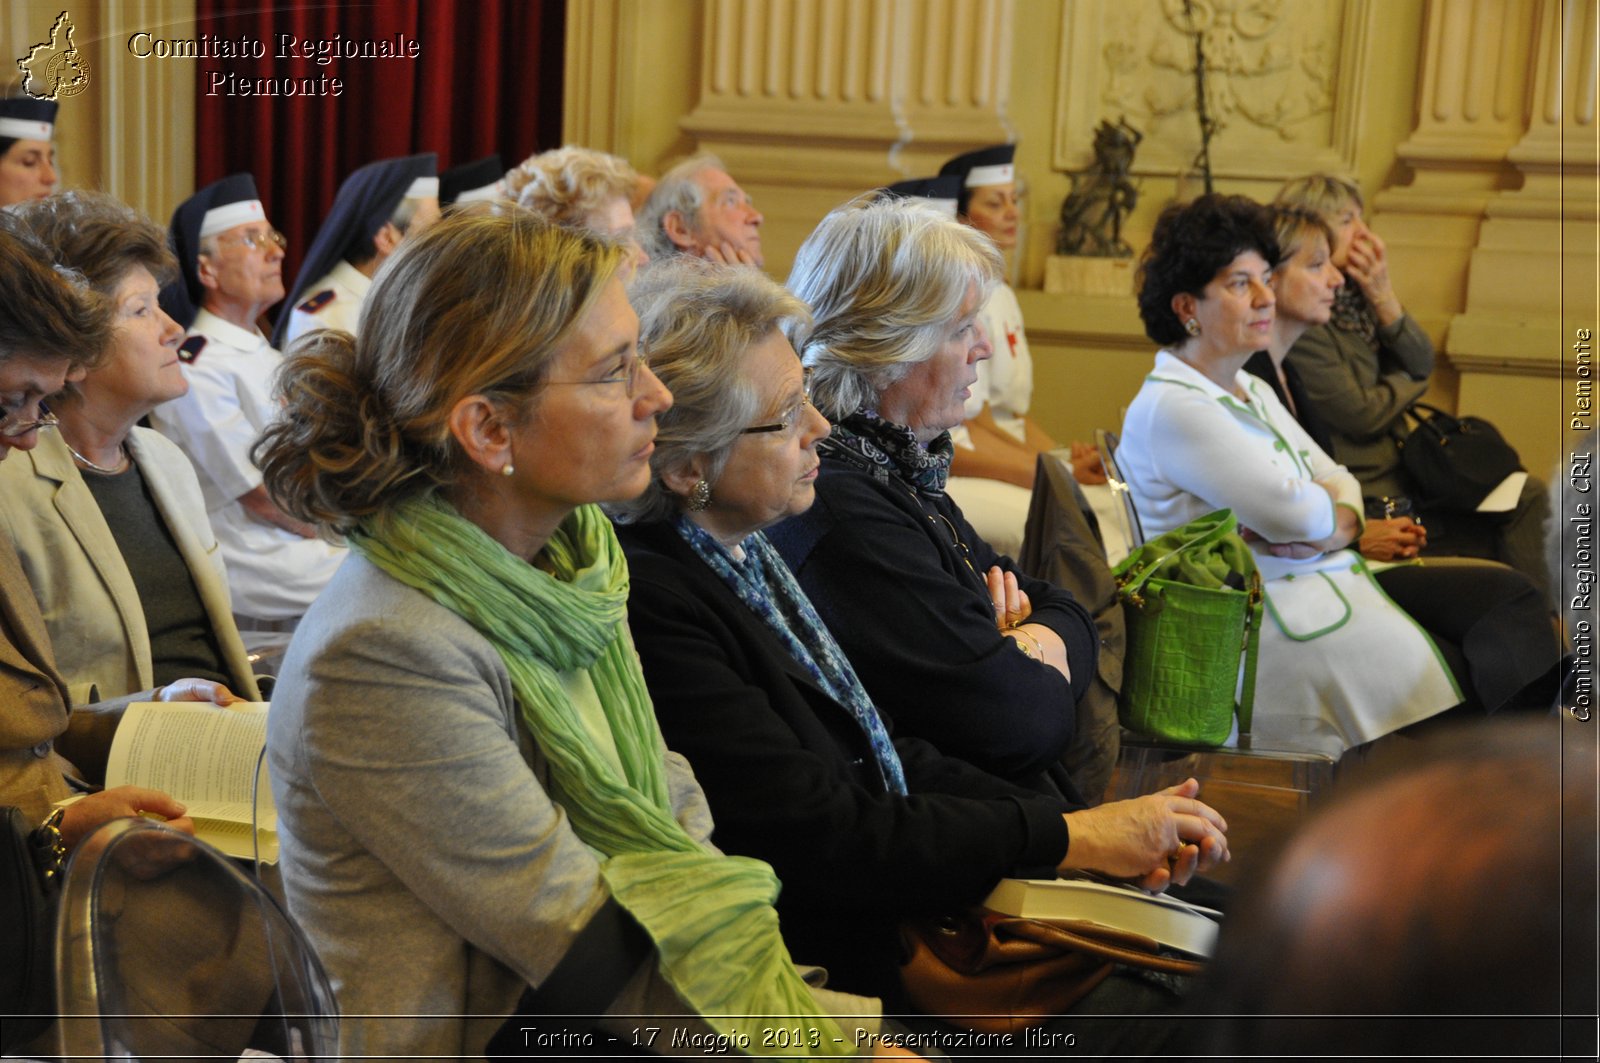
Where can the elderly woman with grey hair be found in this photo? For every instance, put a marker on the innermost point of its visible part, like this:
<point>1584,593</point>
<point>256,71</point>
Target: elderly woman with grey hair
<point>951,641</point>
<point>581,189</point>
<point>864,829</point>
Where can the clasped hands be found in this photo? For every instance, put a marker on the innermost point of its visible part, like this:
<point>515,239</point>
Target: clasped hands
<point>1154,841</point>
<point>1346,527</point>
<point>1393,539</point>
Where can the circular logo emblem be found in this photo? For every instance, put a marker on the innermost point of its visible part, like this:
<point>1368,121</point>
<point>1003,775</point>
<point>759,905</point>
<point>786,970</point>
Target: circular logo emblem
<point>67,74</point>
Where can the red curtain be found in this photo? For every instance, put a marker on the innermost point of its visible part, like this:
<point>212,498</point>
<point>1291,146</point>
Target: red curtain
<point>487,78</point>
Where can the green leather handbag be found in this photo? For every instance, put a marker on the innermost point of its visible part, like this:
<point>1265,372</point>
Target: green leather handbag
<point>1192,600</point>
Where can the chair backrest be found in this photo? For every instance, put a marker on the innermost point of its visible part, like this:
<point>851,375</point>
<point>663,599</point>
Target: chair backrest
<point>1106,442</point>
<point>165,949</point>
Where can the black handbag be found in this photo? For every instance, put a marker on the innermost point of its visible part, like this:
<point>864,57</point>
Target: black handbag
<point>30,883</point>
<point>1454,462</point>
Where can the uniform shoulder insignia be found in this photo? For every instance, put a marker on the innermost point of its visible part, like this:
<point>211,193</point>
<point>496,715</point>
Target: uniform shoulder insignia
<point>190,348</point>
<point>316,302</point>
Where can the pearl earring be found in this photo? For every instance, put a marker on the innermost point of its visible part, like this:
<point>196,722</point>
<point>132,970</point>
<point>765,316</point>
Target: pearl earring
<point>508,469</point>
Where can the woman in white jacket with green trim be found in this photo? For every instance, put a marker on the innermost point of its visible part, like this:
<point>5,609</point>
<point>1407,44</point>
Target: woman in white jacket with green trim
<point>1202,435</point>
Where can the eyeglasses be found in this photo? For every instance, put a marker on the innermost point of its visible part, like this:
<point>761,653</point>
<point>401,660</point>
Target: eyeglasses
<point>790,417</point>
<point>13,425</point>
<point>259,241</point>
<point>627,375</point>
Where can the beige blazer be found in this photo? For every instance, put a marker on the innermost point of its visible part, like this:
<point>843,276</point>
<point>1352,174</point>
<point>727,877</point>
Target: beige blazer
<point>85,592</point>
<point>33,699</point>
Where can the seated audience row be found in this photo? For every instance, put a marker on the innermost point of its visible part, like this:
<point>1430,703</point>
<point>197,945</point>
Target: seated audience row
<point>864,828</point>
<point>879,709</point>
<point>475,644</point>
<point>1202,434</point>
<point>1366,366</point>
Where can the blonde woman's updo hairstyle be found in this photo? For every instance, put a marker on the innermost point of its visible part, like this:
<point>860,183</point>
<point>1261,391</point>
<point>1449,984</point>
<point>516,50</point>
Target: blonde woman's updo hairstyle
<point>1293,226</point>
<point>1322,192</point>
<point>884,280</point>
<point>569,185</point>
<point>697,323</point>
<point>479,303</point>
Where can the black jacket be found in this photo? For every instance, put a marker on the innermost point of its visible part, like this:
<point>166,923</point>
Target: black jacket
<point>790,777</point>
<point>887,574</point>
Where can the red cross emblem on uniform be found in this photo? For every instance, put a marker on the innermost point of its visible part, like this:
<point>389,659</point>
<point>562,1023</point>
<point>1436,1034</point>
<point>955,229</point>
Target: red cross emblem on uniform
<point>1011,340</point>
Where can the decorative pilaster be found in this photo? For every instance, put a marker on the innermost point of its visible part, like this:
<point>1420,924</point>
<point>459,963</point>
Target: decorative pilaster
<point>593,55</point>
<point>1472,86</point>
<point>146,110</point>
<point>1533,272</point>
<point>1471,103</point>
<point>827,93</point>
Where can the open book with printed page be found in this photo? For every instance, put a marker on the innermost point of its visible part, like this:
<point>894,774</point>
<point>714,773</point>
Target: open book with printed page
<point>209,759</point>
<point>1168,921</point>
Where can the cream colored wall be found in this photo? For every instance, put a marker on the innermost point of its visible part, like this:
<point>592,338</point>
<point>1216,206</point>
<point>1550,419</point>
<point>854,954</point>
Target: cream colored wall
<point>130,132</point>
<point>1427,102</point>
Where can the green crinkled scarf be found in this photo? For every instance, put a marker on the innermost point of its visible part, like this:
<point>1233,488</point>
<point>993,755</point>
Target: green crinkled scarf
<point>710,915</point>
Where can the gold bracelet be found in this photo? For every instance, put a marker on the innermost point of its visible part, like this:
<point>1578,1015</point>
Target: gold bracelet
<point>50,851</point>
<point>1036,653</point>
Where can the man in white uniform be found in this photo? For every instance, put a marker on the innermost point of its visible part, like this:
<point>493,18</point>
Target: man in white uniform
<point>232,262</point>
<point>376,208</point>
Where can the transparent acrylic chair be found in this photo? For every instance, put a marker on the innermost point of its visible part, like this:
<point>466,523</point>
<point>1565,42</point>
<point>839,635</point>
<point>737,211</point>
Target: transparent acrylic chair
<point>166,949</point>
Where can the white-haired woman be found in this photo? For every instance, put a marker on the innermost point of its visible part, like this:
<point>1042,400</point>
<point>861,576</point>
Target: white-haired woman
<point>581,189</point>
<point>950,640</point>
<point>865,829</point>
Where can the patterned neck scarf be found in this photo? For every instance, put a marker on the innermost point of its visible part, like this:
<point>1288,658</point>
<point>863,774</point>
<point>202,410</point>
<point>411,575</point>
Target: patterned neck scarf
<point>710,916</point>
<point>1352,312</point>
<point>767,588</point>
<point>884,449</point>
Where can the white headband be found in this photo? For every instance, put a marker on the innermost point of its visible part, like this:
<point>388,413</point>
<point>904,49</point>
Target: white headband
<point>984,176</point>
<point>944,206</point>
<point>493,190</point>
<point>423,188</point>
<point>225,217</point>
<point>26,129</point>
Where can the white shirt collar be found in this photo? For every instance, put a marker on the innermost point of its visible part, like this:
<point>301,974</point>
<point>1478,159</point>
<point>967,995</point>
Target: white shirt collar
<point>226,332</point>
<point>346,274</point>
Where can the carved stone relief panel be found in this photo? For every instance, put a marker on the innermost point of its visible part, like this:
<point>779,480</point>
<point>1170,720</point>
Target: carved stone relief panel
<point>1283,82</point>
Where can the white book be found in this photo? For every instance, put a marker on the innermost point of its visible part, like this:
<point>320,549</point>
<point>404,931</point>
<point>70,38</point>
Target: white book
<point>1166,920</point>
<point>207,758</point>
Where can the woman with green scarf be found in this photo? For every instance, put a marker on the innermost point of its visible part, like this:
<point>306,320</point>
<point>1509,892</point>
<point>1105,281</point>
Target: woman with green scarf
<point>464,757</point>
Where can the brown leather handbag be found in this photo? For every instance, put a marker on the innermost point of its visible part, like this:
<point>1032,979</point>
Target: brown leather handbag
<point>995,973</point>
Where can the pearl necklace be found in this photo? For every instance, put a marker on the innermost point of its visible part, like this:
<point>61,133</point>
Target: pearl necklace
<point>122,466</point>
